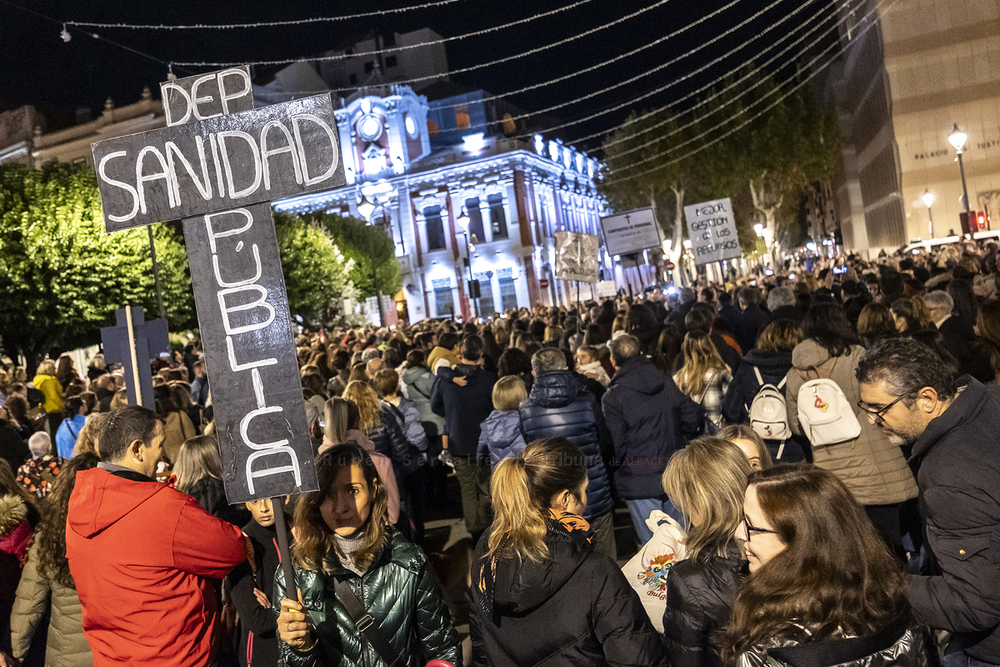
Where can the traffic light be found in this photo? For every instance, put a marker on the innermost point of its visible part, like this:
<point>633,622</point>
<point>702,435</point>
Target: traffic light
<point>981,220</point>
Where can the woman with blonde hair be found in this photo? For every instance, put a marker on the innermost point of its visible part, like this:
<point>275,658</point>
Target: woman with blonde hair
<point>343,550</point>
<point>87,441</point>
<point>45,381</point>
<point>750,443</point>
<point>198,470</point>
<point>540,593</point>
<point>704,377</point>
<point>705,481</point>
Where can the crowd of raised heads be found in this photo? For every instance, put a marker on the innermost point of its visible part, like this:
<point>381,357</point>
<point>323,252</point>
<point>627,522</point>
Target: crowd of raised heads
<point>799,467</point>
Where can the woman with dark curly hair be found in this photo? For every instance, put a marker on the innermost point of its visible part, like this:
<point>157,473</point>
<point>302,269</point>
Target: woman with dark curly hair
<point>823,588</point>
<point>47,584</point>
<point>344,549</point>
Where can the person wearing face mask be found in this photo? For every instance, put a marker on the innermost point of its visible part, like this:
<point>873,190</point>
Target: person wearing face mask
<point>823,588</point>
<point>350,567</point>
<point>540,593</point>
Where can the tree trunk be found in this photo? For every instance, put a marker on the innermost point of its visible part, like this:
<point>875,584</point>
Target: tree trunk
<point>677,242</point>
<point>767,206</point>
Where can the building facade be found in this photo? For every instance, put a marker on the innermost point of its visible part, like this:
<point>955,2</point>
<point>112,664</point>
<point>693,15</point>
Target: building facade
<point>909,72</point>
<point>512,193</point>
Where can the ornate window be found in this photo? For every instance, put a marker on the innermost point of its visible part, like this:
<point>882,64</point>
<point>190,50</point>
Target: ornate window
<point>476,232</point>
<point>498,217</point>
<point>435,228</point>
<point>444,301</point>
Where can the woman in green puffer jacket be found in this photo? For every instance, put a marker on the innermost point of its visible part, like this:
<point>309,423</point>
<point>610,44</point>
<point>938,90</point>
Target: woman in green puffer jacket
<point>47,584</point>
<point>341,535</point>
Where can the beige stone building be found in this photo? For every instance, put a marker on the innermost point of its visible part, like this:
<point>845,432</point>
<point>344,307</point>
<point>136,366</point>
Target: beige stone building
<point>908,72</point>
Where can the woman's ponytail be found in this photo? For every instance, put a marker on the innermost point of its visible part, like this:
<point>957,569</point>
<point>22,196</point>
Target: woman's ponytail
<point>523,487</point>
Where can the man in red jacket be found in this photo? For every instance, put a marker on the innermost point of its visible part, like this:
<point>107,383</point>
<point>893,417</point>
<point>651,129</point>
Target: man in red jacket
<point>143,554</point>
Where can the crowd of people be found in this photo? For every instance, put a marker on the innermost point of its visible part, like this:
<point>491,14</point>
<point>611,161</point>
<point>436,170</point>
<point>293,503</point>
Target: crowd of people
<point>824,437</point>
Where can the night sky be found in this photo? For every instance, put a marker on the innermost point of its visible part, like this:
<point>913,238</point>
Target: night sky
<point>57,77</point>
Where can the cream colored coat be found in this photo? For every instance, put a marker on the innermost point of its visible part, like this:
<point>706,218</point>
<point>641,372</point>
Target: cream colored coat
<point>870,466</point>
<point>67,646</point>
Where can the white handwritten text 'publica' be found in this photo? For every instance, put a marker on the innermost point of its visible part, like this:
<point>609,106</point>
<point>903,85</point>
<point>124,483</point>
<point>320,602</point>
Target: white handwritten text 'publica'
<point>214,163</point>
<point>258,314</point>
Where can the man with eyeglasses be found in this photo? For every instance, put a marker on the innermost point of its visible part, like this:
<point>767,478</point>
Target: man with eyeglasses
<point>953,427</point>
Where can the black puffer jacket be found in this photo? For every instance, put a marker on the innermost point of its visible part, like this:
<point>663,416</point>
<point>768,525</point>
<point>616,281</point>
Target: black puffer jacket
<point>575,609</point>
<point>463,408</point>
<point>958,472</point>
<point>400,592</point>
<point>649,419</point>
<point>900,643</point>
<point>699,603</point>
<point>773,367</point>
<point>558,407</point>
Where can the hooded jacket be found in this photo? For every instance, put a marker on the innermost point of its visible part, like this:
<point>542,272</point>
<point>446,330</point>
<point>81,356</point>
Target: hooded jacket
<point>500,437</point>
<point>957,459</point>
<point>66,645</point>
<point>558,407</point>
<point>400,592</point>
<point>418,382</point>
<point>773,367</point>
<point>15,538</point>
<point>871,467</point>
<point>574,609</point>
<point>143,555</point>
<point>49,385</point>
<point>649,419</point>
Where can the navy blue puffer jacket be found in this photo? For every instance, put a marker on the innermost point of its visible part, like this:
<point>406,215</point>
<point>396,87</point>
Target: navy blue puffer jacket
<point>649,419</point>
<point>558,407</point>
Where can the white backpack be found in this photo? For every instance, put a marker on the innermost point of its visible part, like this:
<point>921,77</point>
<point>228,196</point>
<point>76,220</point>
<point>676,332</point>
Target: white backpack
<point>768,411</point>
<point>825,413</point>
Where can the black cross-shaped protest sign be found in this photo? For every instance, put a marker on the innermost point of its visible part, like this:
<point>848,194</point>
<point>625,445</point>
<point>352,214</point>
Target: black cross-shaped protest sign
<point>133,342</point>
<point>218,164</point>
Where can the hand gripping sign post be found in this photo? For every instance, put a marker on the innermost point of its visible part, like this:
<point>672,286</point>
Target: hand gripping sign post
<point>712,230</point>
<point>217,165</point>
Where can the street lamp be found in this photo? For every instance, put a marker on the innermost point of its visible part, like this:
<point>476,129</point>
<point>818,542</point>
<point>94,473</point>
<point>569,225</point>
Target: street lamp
<point>957,138</point>
<point>365,210</point>
<point>463,222</point>
<point>928,198</point>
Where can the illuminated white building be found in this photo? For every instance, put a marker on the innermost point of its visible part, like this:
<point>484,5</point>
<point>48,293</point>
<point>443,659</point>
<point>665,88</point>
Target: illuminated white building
<point>514,192</point>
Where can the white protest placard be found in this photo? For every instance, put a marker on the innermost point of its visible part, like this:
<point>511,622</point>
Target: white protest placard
<point>712,230</point>
<point>576,257</point>
<point>632,231</point>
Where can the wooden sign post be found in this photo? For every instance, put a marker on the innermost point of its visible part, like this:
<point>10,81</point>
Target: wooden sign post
<point>217,165</point>
<point>133,342</point>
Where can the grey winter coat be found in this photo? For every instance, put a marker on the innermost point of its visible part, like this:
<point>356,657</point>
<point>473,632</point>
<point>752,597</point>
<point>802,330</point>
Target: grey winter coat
<point>417,385</point>
<point>36,593</point>
<point>899,644</point>
<point>500,437</point>
<point>871,467</point>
